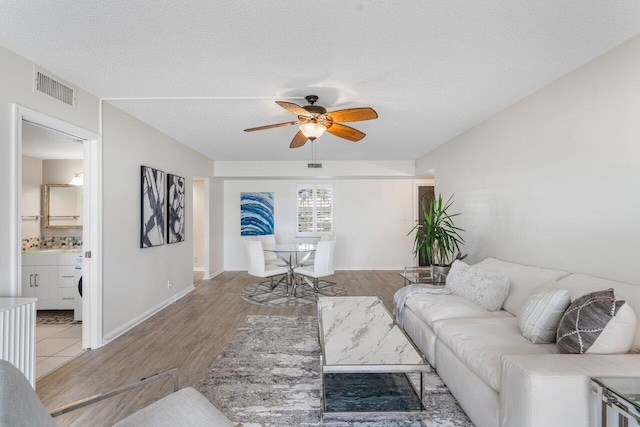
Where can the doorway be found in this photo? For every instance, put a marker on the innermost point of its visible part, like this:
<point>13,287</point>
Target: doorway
<point>426,194</point>
<point>51,238</point>
<point>200,224</point>
<point>77,248</point>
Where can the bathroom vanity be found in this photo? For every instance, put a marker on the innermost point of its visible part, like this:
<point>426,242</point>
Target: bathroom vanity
<point>52,276</point>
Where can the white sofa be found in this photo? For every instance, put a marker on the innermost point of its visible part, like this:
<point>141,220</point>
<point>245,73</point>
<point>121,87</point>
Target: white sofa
<point>498,376</point>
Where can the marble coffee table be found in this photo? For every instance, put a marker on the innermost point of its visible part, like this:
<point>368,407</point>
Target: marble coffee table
<point>358,335</point>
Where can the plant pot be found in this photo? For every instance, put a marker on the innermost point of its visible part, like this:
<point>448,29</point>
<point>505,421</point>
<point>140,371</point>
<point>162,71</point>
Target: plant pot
<point>441,269</point>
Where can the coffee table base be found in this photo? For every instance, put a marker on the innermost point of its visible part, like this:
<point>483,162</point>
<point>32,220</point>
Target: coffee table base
<point>370,393</point>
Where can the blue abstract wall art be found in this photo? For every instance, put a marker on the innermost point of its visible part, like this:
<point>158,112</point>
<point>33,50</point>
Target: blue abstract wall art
<point>256,214</point>
<point>175,208</point>
<point>152,208</point>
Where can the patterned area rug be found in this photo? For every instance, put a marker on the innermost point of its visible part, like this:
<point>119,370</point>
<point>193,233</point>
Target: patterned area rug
<point>261,294</point>
<point>268,375</point>
<point>55,317</point>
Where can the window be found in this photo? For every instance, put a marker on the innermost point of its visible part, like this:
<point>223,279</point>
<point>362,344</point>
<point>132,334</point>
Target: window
<point>315,209</point>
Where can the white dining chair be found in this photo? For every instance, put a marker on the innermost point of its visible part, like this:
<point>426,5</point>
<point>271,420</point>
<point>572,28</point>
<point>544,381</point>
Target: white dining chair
<point>258,267</point>
<point>322,265</point>
<point>323,238</point>
<point>270,258</point>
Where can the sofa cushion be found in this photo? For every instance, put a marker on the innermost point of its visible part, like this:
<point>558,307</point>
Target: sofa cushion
<point>484,288</point>
<point>432,308</point>
<point>480,343</point>
<point>597,323</point>
<point>541,312</point>
<point>522,279</point>
<point>580,284</point>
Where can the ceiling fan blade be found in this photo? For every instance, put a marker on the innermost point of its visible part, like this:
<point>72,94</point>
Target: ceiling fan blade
<point>277,125</point>
<point>294,108</point>
<point>345,132</point>
<point>299,140</point>
<point>353,114</point>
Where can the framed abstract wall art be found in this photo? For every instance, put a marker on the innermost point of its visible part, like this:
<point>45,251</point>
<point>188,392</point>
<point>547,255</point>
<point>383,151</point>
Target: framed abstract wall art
<point>152,207</point>
<point>175,208</point>
<point>256,214</point>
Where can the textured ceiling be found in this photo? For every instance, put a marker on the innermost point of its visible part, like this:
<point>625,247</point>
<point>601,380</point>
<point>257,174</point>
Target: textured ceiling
<point>431,69</point>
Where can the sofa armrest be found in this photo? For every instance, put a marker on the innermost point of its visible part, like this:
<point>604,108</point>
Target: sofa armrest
<point>555,389</point>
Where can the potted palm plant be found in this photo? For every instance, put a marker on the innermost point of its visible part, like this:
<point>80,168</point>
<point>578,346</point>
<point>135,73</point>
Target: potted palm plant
<point>438,238</point>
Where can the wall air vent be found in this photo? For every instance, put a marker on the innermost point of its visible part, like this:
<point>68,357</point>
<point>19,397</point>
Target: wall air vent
<point>49,85</point>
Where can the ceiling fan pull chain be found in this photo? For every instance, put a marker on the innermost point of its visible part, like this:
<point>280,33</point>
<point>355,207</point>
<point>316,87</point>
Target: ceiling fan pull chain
<point>313,163</point>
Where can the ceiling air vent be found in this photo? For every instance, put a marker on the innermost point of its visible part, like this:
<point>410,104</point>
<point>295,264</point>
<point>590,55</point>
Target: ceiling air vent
<point>47,84</point>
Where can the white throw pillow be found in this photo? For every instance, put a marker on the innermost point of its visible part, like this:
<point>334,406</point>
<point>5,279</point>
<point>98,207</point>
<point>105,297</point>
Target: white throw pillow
<point>541,311</point>
<point>485,289</point>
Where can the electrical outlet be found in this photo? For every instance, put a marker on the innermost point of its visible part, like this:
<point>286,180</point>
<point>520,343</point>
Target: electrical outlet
<point>169,284</point>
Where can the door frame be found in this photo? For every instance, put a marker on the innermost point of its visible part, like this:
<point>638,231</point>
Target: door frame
<point>92,295</point>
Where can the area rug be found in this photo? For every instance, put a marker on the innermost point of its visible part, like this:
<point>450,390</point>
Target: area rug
<point>261,294</point>
<point>54,317</point>
<point>268,375</point>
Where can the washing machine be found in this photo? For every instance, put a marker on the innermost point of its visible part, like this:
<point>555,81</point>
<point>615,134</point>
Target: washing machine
<point>77,303</point>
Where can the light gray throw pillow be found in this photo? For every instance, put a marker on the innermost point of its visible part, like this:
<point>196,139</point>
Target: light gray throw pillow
<point>540,313</point>
<point>484,288</point>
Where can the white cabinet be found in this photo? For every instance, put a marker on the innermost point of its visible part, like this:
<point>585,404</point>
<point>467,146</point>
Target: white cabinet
<point>67,286</point>
<point>67,298</point>
<point>51,278</point>
<point>45,286</point>
<point>40,280</point>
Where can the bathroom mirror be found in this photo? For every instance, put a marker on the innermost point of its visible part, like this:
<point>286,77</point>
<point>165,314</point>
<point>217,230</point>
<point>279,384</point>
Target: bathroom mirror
<point>62,206</point>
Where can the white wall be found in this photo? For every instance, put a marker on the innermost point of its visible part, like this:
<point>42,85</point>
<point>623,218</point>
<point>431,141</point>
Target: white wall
<point>16,86</point>
<point>216,227</point>
<point>60,171</point>
<point>135,279</point>
<point>198,223</point>
<point>330,169</point>
<point>554,180</point>
<point>371,220</point>
<point>31,196</point>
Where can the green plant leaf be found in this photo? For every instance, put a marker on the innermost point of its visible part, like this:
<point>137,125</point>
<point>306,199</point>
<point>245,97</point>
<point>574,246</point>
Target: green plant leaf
<point>438,238</point>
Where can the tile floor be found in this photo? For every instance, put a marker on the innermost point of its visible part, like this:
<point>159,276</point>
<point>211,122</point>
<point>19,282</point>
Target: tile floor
<point>55,346</point>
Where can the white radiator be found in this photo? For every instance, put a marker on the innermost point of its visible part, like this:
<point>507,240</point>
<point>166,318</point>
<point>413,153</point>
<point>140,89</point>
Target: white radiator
<point>18,334</point>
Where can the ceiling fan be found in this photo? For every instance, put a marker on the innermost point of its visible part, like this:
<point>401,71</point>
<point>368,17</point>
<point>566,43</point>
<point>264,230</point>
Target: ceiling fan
<point>314,120</point>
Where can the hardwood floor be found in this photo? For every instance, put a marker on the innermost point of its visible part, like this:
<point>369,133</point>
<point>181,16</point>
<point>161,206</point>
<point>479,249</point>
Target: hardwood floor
<point>189,335</point>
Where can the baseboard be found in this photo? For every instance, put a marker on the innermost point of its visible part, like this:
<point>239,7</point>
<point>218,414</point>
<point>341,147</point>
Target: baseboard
<point>198,268</point>
<point>144,316</point>
<point>214,274</point>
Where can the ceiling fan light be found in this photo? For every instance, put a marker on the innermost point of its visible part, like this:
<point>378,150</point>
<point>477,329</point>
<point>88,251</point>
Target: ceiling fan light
<point>312,130</point>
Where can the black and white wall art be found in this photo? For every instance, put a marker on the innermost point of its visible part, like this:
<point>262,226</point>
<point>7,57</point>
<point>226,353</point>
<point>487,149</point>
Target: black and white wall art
<point>152,212</point>
<point>175,210</point>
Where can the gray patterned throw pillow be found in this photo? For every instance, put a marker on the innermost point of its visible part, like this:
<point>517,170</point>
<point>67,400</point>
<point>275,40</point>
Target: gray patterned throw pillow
<point>596,323</point>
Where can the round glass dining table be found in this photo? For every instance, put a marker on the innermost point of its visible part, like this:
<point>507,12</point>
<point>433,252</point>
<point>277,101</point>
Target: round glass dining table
<point>289,253</point>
